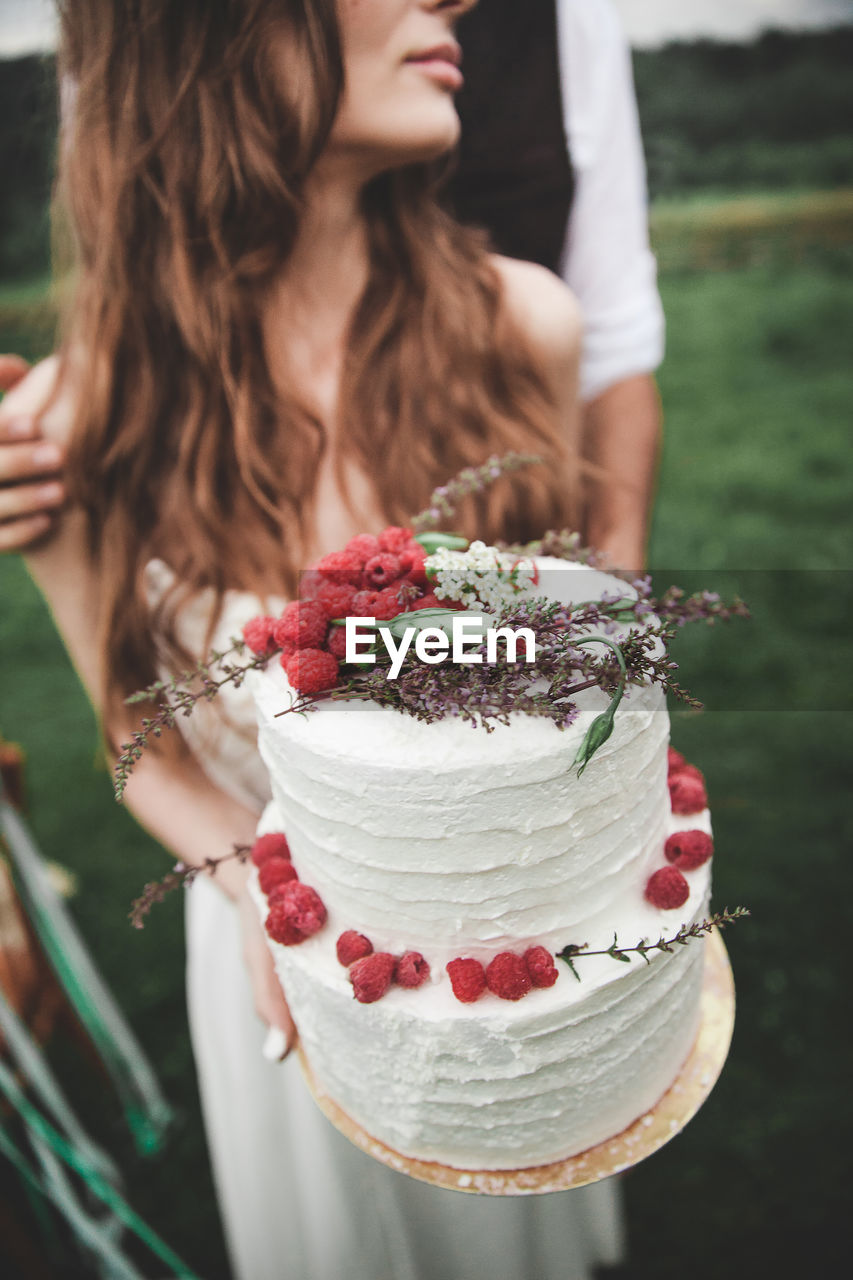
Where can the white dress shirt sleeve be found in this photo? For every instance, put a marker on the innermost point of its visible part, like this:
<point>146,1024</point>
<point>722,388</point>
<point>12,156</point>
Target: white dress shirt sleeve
<point>607,261</point>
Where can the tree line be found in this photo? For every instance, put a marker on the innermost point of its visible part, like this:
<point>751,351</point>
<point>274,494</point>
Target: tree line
<point>717,116</point>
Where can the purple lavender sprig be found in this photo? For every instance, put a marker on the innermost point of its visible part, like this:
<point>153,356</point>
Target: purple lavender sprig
<point>719,920</point>
<point>445,500</point>
<point>486,694</point>
<point>178,696</point>
<point>180,875</point>
<point>562,544</point>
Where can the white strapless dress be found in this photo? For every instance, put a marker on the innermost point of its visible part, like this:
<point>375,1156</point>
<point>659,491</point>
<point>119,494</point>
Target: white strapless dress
<point>298,1201</point>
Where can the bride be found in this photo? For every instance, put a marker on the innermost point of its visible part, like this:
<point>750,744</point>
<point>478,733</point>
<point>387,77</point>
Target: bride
<point>275,340</point>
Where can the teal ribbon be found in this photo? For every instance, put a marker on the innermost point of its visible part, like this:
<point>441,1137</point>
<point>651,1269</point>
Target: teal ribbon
<point>145,1108</point>
<point>54,1152</point>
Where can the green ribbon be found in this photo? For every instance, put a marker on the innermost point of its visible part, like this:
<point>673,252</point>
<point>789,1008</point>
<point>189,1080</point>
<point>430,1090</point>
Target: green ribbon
<point>51,1147</point>
<point>146,1110</point>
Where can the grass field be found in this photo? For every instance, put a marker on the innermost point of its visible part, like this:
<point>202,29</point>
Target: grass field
<point>754,497</point>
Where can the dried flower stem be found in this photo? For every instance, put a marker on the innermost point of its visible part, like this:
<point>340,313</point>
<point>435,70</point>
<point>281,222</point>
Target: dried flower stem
<point>178,699</point>
<point>181,875</point>
<point>446,498</point>
<point>719,920</point>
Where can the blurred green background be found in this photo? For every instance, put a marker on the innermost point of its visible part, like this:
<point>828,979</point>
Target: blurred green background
<point>751,174</point>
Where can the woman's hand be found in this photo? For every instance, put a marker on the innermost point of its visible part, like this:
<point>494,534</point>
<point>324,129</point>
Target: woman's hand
<point>30,487</point>
<point>270,1004</point>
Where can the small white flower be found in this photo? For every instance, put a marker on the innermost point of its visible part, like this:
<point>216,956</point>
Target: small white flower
<point>482,575</point>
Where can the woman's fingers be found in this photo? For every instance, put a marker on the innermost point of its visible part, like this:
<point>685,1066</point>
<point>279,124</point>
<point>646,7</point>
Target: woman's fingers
<point>15,535</point>
<point>272,1009</point>
<point>26,500</point>
<point>270,1004</point>
<point>12,370</point>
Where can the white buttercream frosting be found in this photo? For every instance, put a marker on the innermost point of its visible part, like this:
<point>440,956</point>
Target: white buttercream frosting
<point>448,840</point>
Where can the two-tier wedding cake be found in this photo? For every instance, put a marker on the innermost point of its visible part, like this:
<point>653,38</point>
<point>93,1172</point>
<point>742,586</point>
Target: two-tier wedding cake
<point>433,909</point>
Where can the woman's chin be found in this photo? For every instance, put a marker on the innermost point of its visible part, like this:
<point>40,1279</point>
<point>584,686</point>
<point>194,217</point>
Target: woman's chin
<point>427,143</point>
<point>424,136</point>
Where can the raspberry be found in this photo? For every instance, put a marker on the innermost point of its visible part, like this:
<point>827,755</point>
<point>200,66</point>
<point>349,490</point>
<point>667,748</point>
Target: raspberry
<point>303,907</point>
<point>540,966</point>
<point>386,605</point>
<point>352,946</point>
<point>310,582</point>
<point>258,634</point>
<point>686,793</point>
<point>674,759</point>
<point>303,625</point>
<point>467,978</point>
<point>312,670</point>
<point>689,771</point>
<point>429,601</point>
<point>507,976</point>
<point>394,539</point>
<point>667,889</point>
<point>281,928</point>
<point>363,545</point>
<point>380,571</point>
<point>688,850</point>
<point>372,976</point>
<point>337,643</point>
<point>276,893</point>
<point>413,563</point>
<point>363,604</point>
<point>412,969</point>
<point>275,871</point>
<point>336,598</point>
<point>341,566</point>
<point>273,845</point>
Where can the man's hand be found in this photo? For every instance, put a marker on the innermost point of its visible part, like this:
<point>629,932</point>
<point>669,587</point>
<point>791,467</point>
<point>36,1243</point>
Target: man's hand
<point>30,466</point>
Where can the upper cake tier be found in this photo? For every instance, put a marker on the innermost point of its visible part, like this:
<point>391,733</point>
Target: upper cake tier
<point>415,833</point>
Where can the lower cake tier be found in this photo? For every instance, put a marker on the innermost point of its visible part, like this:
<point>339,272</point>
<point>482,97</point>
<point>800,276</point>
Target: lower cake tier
<point>500,1084</point>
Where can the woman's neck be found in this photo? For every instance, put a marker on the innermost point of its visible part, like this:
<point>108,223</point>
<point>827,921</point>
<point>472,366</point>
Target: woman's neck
<point>311,306</point>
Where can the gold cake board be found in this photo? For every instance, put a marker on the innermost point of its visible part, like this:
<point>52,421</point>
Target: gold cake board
<point>646,1135</point>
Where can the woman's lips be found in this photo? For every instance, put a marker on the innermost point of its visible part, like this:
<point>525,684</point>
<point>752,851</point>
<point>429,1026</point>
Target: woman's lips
<point>440,64</point>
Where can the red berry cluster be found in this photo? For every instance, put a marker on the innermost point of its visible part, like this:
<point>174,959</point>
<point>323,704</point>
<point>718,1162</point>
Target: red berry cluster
<point>296,911</point>
<point>667,888</point>
<point>374,577</point>
<point>508,975</point>
<point>372,972</point>
<point>687,792</point>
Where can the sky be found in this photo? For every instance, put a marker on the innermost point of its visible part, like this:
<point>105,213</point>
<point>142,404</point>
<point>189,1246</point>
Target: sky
<point>26,25</point>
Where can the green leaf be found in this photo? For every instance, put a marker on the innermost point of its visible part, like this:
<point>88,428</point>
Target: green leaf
<point>432,541</point>
<point>596,735</point>
<point>567,956</point>
<point>602,726</point>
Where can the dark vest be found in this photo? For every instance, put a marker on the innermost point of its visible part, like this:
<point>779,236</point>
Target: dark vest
<point>513,176</point>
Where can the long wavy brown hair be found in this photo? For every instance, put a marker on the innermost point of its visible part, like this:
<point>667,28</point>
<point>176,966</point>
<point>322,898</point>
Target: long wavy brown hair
<point>182,172</point>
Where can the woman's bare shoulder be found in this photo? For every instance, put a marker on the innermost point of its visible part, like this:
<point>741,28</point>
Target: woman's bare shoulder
<point>40,395</point>
<point>544,307</point>
<point>547,313</point>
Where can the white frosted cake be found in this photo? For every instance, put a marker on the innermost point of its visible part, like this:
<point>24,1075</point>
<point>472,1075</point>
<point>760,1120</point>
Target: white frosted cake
<point>453,842</point>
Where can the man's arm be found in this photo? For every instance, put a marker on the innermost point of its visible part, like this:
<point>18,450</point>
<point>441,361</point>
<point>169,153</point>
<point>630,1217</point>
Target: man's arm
<point>609,266</point>
<point>622,442</point>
